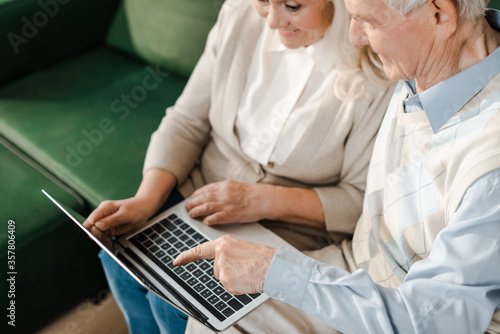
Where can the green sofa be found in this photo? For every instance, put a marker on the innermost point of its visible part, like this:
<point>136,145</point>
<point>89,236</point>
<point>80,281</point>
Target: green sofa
<point>83,84</point>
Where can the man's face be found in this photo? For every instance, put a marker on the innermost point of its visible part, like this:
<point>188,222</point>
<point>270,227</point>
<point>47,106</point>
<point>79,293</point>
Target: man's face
<point>403,45</point>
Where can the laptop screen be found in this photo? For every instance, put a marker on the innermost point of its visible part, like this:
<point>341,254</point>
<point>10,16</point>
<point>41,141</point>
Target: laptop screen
<point>103,240</point>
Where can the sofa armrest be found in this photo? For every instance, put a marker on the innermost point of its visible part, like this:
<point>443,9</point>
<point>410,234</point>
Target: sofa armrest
<point>39,33</point>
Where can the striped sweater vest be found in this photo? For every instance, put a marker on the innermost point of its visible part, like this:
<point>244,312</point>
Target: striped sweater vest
<point>417,179</point>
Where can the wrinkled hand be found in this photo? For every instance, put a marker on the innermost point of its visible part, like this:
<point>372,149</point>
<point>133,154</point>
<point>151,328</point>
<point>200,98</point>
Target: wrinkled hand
<point>241,266</point>
<point>118,217</point>
<point>230,202</point>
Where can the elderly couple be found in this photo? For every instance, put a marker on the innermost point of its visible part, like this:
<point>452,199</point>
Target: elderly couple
<point>291,119</point>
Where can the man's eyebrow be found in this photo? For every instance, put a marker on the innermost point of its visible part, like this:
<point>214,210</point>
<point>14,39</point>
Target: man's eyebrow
<point>363,18</point>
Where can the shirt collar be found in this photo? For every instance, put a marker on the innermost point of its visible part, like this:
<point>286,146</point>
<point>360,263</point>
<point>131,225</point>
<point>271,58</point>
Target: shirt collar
<point>320,52</point>
<point>445,99</point>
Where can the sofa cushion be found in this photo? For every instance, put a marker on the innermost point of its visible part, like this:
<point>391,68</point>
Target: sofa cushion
<point>22,190</point>
<point>171,33</point>
<point>89,120</point>
<point>38,33</point>
<point>56,265</point>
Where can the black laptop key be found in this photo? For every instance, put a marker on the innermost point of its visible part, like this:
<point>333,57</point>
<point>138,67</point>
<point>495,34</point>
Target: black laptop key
<point>218,290</point>
<point>204,279</point>
<point>172,240</point>
<point>210,271</point>
<point>173,216</point>
<point>183,237</point>
<point>154,249</point>
<point>190,242</point>
<point>198,273</point>
<point>211,285</point>
<point>148,231</point>
<point>141,237</point>
<point>185,276</point>
<point>191,267</point>
<point>198,237</point>
<point>183,226</point>
<point>160,254</point>
<point>148,243</point>
<point>254,295</point>
<point>244,299</point>
<point>220,306</point>
<point>199,288</point>
<point>226,296</point>
<point>158,228</point>
<point>165,246</point>
<point>213,300</point>
<point>178,222</point>
<point>190,231</point>
<point>170,226</point>
<point>173,252</point>
<point>178,245</point>
<point>207,294</point>
<point>155,237</point>
<point>177,232</point>
<point>205,266</point>
<point>192,281</point>
<point>235,304</point>
<point>228,312</point>
<point>179,270</point>
<point>166,259</point>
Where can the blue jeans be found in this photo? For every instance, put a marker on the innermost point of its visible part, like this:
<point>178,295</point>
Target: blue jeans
<point>143,310</point>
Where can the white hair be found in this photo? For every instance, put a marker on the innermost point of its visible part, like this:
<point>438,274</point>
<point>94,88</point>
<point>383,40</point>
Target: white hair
<point>468,9</point>
<point>351,61</point>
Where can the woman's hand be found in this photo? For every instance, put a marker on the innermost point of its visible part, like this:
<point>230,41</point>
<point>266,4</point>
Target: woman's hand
<point>118,217</point>
<point>230,202</point>
<point>122,216</point>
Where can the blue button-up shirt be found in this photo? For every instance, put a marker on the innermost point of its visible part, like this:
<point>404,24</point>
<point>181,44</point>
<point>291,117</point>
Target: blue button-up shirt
<point>455,290</point>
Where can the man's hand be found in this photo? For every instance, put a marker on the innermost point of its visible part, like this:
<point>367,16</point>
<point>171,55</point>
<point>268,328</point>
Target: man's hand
<point>241,266</point>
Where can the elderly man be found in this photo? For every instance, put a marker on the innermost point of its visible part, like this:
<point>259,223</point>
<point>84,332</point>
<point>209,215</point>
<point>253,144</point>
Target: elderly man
<point>425,257</point>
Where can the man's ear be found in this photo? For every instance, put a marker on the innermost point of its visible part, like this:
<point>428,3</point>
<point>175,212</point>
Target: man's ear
<point>445,18</point>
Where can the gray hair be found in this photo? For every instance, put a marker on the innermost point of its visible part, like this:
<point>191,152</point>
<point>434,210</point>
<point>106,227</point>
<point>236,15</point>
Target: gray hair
<point>468,9</point>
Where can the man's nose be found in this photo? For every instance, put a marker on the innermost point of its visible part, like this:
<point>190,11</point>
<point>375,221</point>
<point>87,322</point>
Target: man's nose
<point>357,35</point>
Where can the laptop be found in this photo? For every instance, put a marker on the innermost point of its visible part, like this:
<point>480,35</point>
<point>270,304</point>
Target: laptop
<point>147,255</point>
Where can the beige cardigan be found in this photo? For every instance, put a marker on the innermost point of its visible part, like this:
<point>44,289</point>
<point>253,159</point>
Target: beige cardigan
<point>196,140</point>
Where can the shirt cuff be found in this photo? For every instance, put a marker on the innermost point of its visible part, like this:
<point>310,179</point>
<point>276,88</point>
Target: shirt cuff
<point>288,276</point>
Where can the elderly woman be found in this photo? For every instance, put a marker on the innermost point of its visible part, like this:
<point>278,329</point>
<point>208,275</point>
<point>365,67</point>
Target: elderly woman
<point>425,256</point>
<point>276,123</point>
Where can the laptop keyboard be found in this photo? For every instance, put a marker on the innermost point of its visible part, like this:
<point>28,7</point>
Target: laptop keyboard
<point>166,239</point>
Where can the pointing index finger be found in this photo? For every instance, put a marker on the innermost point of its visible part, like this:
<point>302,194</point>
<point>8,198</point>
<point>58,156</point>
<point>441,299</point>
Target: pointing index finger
<point>205,250</point>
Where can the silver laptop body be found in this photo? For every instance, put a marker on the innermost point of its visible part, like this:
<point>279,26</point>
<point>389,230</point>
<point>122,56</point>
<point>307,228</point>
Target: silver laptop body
<point>147,254</point>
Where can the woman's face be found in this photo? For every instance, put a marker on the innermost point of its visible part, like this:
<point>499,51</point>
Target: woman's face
<point>298,22</point>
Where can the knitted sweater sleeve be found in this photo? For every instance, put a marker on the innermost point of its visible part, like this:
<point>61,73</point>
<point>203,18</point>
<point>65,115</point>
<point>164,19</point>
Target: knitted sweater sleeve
<point>342,203</point>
